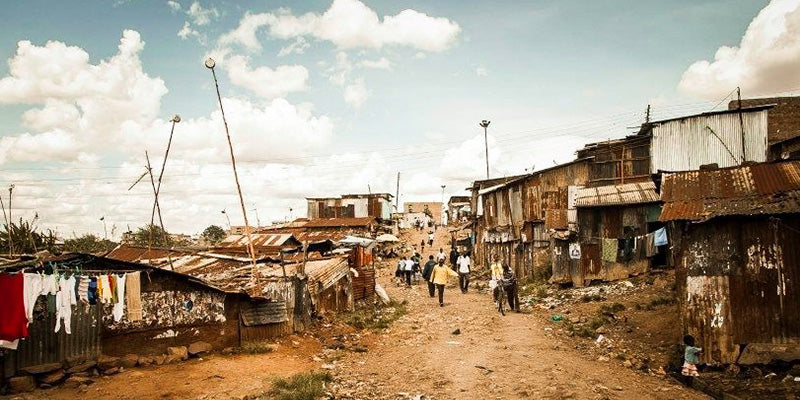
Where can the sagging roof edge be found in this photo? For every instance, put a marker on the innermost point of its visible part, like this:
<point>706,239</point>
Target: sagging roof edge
<point>532,174</point>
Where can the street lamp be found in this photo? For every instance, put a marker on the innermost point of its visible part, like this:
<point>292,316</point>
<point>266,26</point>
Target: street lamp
<point>485,124</point>
<point>444,209</point>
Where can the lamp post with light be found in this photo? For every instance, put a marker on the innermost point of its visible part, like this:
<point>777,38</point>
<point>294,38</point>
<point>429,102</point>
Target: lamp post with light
<point>485,124</point>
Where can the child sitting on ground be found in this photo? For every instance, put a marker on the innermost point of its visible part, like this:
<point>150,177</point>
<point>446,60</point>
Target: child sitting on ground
<point>690,359</point>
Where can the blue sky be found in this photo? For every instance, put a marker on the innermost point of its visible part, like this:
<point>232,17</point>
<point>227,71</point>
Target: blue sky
<point>361,100</point>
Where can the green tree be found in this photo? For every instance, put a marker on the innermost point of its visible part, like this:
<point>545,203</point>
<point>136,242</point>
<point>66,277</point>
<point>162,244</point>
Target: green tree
<point>88,244</point>
<point>144,235</point>
<point>22,238</point>
<point>213,234</point>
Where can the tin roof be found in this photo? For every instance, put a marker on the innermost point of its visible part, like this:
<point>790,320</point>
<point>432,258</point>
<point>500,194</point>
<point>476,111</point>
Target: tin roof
<point>260,240</point>
<point>757,189</point>
<point>339,222</point>
<point>617,195</point>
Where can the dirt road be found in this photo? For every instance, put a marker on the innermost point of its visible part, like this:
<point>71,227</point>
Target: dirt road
<point>493,357</point>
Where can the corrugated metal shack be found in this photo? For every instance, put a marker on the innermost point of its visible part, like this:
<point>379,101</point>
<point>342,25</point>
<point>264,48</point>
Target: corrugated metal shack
<point>362,261</point>
<point>264,244</point>
<point>520,217</point>
<point>375,205</point>
<point>735,234</point>
<point>625,211</point>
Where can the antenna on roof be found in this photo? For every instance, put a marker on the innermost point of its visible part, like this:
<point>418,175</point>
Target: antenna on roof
<point>152,217</point>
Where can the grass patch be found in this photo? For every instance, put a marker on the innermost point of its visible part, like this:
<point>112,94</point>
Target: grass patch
<point>611,309</point>
<point>533,289</point>
<point>259,347</point>
<point>304,386</point>
<point>375,317</point>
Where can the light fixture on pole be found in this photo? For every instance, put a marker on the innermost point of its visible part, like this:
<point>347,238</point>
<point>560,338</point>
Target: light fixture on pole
<point>444,209</point>
<point>485,124</point>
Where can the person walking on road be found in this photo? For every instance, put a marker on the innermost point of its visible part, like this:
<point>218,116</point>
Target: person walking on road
<point>426,274</point>
<point>439,278</point>
<point>463,272</point>
<point>510,286</point>
<point>430,238</point>
<point>440,255</point>
<point>497,274</point>
<point>422,245</point>
<point>407,270</point>
<point>453,258</point>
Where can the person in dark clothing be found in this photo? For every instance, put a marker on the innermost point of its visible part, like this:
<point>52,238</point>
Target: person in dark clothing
<point>512,294</point>
<point>426,274</point>
<point>453,258</point>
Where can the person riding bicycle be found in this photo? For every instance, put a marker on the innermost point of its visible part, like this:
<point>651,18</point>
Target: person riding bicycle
<point>510,286</point>
<point>497,275</point>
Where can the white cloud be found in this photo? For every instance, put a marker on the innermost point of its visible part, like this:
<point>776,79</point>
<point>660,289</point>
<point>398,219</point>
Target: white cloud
<point>381,63</point>
<point>201,16</point>
<point>356,93</point>
<point>350,24</point>
<point>766,61</point>
<point>340,70</point>
<point>174,5</point>
<point>264,81</point>
<point>245,33</point>
<point>299,46</point>
<point>187,31</point>
<point>481,71</point>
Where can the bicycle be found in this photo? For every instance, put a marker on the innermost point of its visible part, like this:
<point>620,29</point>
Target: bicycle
<point>500,295</point>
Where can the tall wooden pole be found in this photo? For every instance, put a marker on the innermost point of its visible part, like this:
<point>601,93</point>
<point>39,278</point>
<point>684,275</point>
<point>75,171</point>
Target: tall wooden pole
<point>210,63</point>
<point>741,121</point>
<point>158,209</point>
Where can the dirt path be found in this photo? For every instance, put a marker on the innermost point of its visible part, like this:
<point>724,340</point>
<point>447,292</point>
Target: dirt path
<point>214,377</point>
<point>493,357</point>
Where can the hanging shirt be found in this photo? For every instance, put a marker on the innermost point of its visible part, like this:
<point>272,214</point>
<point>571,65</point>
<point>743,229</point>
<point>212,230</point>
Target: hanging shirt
<point>650,245</point>
<point>49,284</point>
<point>92,294</point>
<point>13,320</point>
<point>119,307</point>
<point>112,283</point>
<point>34,283</point>
<point>660,237</point>
<point>83,289</point>
<point>133,296</point>
<point>105,289</point>
<point>65,299</point>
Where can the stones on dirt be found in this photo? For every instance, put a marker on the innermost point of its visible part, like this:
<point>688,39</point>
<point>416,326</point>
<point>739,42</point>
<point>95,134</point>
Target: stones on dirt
<point>129,361</point>
<point>52,378</point>
<point>21,384</point>
<point>457,331</point>
<point>82,367</point>
<point>111,371</point>
<point>106,362</point>
<point>180,351</point>
<point>199,348</point>
<point>42,368</point>
<point>76,381</point>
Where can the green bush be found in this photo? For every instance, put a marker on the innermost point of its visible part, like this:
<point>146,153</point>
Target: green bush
<point>375,317</point>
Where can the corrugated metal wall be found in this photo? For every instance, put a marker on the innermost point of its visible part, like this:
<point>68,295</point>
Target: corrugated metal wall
<point>686,144</point>
<point>44,346</point>
<point>739,282</point>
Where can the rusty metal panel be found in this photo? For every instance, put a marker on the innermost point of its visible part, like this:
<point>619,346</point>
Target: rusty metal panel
<point>263,313</point>
<point>562,269</point>
<point>263,332</point>
<point>43,346</point>
<point>747,190</point>
<point>687,143</point>
<point>612,195</point>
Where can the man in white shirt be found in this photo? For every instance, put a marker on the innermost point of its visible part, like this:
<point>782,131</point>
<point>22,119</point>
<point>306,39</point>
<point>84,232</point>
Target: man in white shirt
<point>441,256</point>
<point>407,268</point>
<point>464,265</point>
<point>430,239</point>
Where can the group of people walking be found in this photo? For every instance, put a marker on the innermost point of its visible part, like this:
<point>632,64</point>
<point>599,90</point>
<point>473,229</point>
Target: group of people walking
<point>435,272</point>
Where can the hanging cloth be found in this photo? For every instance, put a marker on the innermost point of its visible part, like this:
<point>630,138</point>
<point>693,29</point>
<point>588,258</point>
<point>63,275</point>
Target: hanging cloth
<point>34,283</point>
<point>650,246</point>
<point>112,287</point>
<point>119,306</point>
<point>83,289</point>
<point>627,249</point>
<point>609,250</point>
<point>105,292</point>
<point>660,237</point>
<point>133,296</point>
<point>92,294</point>
<point>13,320</point>
<point>65,299</point>
<point>12,345</point>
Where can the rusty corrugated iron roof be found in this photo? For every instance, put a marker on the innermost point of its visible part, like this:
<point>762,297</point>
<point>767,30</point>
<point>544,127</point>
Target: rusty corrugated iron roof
<point>617,195</point>
<point>339,222</point>
<point>260,240</point>
<point>757,189</point>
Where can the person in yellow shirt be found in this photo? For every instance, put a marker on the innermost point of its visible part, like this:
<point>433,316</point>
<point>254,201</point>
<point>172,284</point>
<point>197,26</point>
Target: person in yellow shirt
<point>497,274</point>
<point>439,278</point>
